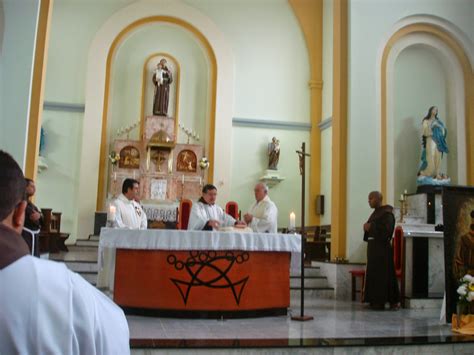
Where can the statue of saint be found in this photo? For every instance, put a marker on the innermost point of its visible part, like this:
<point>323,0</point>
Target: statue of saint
<point>273,154</point>
<point>434,146</point>
<point>162,78</point>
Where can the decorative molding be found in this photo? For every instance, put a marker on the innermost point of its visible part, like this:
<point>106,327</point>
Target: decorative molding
<point>325,124</point>
<point>63,106</point>
<point>262,123</point>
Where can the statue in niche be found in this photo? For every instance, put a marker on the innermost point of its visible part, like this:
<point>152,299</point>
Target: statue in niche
<point>273,154</point>
<point>129,158</point>
<point>187,161</point>
<point>162,78</point>
<point>434,147</point>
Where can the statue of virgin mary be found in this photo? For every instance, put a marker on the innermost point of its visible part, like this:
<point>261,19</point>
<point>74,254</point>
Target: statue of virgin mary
<point>434,147</point>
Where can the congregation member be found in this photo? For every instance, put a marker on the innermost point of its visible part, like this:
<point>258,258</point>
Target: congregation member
<point>129,213</point>
<point>263,215</point>
<point>206,215</point>
<point>381,285</point>
<point>46,308</point>
<point>33,219</point>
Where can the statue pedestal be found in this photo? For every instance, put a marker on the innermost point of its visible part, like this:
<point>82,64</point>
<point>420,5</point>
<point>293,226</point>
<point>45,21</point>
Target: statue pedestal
<point>271,178</point>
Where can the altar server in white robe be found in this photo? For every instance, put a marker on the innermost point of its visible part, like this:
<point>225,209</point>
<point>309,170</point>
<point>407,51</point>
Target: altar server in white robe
<point>129,213</point>
<point>206,215</point>
<point>263,214</point>
<point>44,307</point>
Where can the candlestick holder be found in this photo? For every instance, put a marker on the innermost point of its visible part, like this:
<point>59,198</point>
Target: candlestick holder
<point>403,209</point>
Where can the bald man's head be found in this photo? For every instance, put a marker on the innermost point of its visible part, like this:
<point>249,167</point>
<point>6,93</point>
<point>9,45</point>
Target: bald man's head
<point>375,199</point>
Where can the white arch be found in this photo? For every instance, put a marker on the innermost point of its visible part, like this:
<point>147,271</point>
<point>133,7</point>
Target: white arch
<point>95,83</point>
<point>449,60</point>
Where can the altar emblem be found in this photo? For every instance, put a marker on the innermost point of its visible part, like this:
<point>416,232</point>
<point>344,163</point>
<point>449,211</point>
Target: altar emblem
<point>209,269</point>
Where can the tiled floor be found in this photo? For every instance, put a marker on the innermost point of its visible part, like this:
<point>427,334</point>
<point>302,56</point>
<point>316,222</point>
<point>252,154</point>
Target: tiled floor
<point>332,319</point>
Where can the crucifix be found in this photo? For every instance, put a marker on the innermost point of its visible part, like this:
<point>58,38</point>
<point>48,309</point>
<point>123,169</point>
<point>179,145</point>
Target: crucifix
<point>302,163</point>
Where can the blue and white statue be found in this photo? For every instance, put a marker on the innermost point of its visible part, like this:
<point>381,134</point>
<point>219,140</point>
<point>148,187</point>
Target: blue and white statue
<point>434,147</point>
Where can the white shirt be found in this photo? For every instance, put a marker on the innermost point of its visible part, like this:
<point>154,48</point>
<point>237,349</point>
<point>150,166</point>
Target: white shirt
<point>265,216</point>
<point>129,214</point>
<point>201,213</point>
<point>48,309</point>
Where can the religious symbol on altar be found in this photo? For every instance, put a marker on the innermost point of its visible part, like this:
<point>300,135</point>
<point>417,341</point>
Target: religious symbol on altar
<point>187,161</point>
<point>129,158</point>
<point>209,269</point>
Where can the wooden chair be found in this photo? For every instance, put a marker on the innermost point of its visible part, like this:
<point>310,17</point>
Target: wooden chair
<point>232,209</point>
<point>51,231</point>
<point>355,275</point>
<point>184,213</point>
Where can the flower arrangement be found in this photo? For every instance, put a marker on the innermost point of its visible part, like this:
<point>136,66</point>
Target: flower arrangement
<point>203,163</point>
<point>466,289</point>
<point>114,158</point>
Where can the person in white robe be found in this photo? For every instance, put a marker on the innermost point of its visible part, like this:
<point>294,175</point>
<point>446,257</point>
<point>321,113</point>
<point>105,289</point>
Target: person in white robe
<point>44,307</point>
<point>206,215</point>
<point>262,216</point>
<point>129,213</point>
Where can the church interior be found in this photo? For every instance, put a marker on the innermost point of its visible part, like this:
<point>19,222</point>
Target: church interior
<point>328,108</point>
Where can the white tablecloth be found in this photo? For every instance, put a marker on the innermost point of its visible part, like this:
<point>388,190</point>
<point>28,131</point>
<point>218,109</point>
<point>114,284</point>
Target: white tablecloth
<point>165,239</point>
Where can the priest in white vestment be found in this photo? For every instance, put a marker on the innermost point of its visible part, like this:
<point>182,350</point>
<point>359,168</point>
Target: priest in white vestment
<point>129,213</point>
<point>262,216</point>
<point>206,215</point>
<point>44,307</point>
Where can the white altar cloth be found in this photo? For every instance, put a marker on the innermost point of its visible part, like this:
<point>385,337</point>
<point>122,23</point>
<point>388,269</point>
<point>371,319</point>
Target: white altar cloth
<point>166,239</point>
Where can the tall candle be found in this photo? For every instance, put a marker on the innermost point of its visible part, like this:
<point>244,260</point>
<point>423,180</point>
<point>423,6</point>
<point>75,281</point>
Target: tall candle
<point>112,210</point>
<point>115,176</point>
<point>405,192</point>
<point>292,220</point>
<point>402,197</point>
<point>182,179</point>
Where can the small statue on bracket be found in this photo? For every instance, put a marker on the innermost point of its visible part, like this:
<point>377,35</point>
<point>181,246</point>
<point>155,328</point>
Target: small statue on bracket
<point>273,154</point>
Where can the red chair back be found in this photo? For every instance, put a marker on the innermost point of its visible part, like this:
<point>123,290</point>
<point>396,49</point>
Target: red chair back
<point>232,209</point>
<point>183,213</point>
<point>398,250</point>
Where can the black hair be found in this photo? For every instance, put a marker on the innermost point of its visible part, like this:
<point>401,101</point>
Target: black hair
<point>428,115</point>
<point>208,187</point>
<point>472,214</point>
<point>128,184</point>
<point>12,184</point>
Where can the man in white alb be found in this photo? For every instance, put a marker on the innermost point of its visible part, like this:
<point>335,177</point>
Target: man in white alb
<point>129,213</point>
<point>44,307</point>
<point>263,215</point>
<point>206,215</point>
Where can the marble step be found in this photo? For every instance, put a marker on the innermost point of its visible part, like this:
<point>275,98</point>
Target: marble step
<point>312,293</point>
<point>94,238</point>
<point>309,281</point>
<point>90,277</point>
<point>308,271</point>
<point>82,249</point>
<point>78,266</point>
<point>87,243</point>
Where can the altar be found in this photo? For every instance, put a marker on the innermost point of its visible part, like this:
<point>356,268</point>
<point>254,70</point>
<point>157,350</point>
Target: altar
<point>198,274</point>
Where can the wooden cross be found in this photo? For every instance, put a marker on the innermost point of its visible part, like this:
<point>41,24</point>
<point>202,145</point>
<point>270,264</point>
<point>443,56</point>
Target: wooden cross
<point>302,163</point>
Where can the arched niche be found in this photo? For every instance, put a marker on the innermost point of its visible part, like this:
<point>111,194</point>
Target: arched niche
<point>452,49</point>
<point>101,52</point>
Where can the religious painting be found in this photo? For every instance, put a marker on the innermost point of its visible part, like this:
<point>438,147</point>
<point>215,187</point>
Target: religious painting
<point>129,158</point>
<point>187,161</point>
<point>458,216</point>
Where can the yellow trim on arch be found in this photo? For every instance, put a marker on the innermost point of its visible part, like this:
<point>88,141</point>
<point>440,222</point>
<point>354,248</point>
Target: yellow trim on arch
<point>468,74</point>
<point>37,88</point>
<point>339,131</point>
<point>213,91</point>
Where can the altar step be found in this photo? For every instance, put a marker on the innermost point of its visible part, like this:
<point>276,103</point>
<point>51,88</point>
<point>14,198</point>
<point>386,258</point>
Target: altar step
<point>87,242</point>
<point>311,293</point>
<point>309,281</point>
<point>433,302</point>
